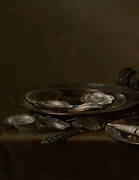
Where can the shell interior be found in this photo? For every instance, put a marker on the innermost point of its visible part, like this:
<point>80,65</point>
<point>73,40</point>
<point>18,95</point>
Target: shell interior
<point>39,96</point>
<point>20,120</point>
<point>94,100</point>
<point>55,104</point>
<point>98,98</point>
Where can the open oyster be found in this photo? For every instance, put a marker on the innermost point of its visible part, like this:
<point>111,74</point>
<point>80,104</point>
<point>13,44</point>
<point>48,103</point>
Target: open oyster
<point>20,120</point>
<point>98,98</point>
<point>40,96</point>
<point>43,98</point>
<point>86,107</point>
<point>55,104</point>
<point>94,100</point>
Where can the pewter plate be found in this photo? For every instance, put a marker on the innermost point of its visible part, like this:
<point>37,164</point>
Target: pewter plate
<point>124,98</point>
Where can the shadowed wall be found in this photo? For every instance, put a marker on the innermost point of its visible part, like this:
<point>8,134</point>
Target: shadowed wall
<point>66,41</point>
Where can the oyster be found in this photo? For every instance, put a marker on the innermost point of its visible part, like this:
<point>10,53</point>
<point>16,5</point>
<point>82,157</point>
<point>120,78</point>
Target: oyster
<point>20,120</point>
<point>44,122</point>
<point>86,107</point>
<point>98,98</point>
<point>94,100</point>
<point>55,104</point>
<point>40,96</point>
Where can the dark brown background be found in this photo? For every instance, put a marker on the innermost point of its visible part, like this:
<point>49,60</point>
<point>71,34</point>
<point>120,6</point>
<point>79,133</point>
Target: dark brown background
<point>66,41</point>
<point>80,41</point>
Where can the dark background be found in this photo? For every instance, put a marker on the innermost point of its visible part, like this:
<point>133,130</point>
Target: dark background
<point>66,41</point>
<point>80,41</point>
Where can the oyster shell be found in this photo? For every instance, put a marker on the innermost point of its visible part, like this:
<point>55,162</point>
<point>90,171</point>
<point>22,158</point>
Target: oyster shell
<point>44,122</point>
<point>55,104</point>
<point>98,98</point>
<point>40,96</point>
<point>86,107</point>
<point>20,120</point>
<point>93,100</point>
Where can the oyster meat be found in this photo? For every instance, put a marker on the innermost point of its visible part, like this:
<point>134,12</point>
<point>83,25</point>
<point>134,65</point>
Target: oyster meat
<point>94,100</point>
<point>86,107</point>
<point>40,96</point>
<point>55,104</point>
<point>98,98</point>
